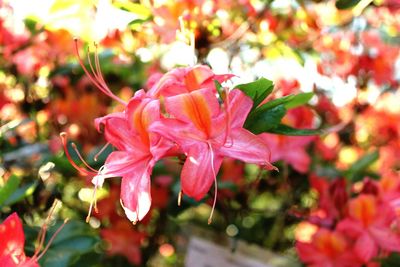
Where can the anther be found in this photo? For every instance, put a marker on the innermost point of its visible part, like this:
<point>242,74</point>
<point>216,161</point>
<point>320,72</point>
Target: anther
<point>179,198</point>
<point>100,152</point>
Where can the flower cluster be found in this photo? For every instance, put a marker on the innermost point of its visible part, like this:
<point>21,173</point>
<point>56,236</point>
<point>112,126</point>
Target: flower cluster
<point>351,231</point>
<point>179,114</point>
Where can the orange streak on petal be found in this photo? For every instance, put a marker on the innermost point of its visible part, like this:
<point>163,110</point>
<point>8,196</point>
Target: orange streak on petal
<point>195,77</point>
<point>196,108</point>
<point>363,208</point>
<point>141,122</point>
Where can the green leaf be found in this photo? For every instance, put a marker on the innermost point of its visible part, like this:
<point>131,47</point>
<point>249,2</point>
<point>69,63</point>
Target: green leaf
<point>392,261</point>
<point>9,188</point>
<point>287,130</point>
<point>257,90</point>
<point>299,100</point>
<point>21,193</point>
<point>289,101</point>
<point>327,171</point>
<point>345,4</point>
<point>135,8</point>
<point>265,121</point>
<point>362,164</point>
<point>274,103</point>
<point>218,86</point>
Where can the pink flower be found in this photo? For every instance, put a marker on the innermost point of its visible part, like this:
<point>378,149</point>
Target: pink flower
<point>197,125</point>
<point>206,134</point>
<point>186,80</point>
<point>369,223</point>
<point>124,240</point>
<point>327,249</point>
<point>138,151</point>
<point>12,244</point>
<point>291,149</point>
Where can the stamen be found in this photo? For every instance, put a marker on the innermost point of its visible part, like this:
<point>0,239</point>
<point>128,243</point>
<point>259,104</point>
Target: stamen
<point>101,151</point>
<point>94,76</point>
<point>227,110</point>
<point>38,255</point>
<point>215,183</point>
<point>81,158</point>
<point>96,69</point>
<point>93,200</point>
<point>90,172</point>
<point>97,64</point>
<point>43,230</point>
<point>179,198</point>
<point>51,240</point>
<point>84,172</point>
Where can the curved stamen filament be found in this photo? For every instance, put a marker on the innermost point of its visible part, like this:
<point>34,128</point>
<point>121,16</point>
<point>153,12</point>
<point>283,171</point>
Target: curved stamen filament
<point>83,171</point>
<point>90,172</point>
<point>41,237</point>
<point>51,240</point>
<point>215,183</point>
<point>95,77</point>
<point>96,69</point>
<point>43,230</point>
<point>101,151</point>
<point>97,64</point>
<point>81,158</point>
<point>227,110</point>
<point>93,200</point>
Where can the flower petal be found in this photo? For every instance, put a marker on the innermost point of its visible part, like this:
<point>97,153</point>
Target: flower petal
<point>366,247</point>
<point>197,107</point>
<point>247,147</point>
<point>299,159</point>
<point>12,236</point>
<point>197,173</point>
<point>117,131</point>
<point>119,164</point>
<point>135,192</point>
<point>179,132</point>
<point>239,107</point>
<point>309,254</point>
<point>385,238</point>
<point>141,112</point>
<point>351,228</point>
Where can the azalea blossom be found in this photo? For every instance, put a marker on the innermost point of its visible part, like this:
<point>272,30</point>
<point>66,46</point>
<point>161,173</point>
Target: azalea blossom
<point>124,240</point>
<point>327,249</point>
<point>369,223</point>
<point>138,150</point>
<point>206,133</point>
